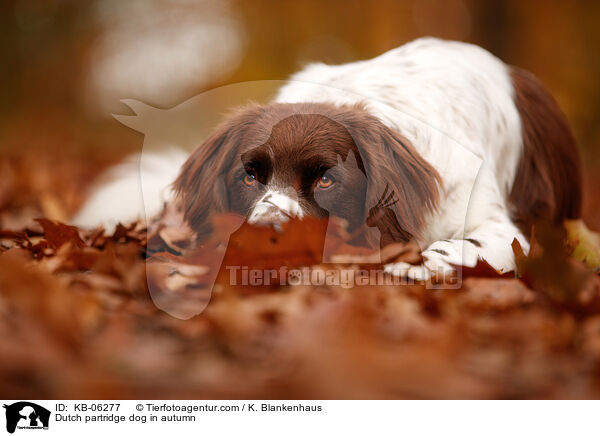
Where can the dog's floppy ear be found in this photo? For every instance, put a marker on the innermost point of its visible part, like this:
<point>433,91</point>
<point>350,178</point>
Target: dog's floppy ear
<point>402,188</point>
<point>201,186</point>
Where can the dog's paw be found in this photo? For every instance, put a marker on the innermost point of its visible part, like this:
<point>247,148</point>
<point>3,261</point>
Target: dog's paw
<point>441,254</point>
<point>403,269</point>
<point>438,261</point>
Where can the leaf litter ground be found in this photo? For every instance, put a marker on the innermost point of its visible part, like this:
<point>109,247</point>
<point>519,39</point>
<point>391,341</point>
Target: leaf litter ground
<point>78,320</point>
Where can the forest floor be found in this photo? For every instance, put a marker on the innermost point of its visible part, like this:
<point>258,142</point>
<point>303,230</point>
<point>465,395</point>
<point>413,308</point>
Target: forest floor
<point>84,314</point>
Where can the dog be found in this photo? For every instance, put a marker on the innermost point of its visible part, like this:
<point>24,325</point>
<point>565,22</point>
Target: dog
<point>437,142</point>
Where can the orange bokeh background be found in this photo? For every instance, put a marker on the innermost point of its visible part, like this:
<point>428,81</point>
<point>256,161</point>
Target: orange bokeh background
<point>66,65</point>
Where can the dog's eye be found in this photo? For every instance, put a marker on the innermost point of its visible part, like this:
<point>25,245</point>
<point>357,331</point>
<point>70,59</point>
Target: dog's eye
<point>249,179</point>
<point>326,182</point>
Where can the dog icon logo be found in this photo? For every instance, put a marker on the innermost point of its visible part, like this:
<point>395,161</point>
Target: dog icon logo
<point>26,415</point>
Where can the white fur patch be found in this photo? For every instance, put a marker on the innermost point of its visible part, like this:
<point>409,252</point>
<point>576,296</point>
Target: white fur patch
<point>275,207</point>
<point>135,189</point>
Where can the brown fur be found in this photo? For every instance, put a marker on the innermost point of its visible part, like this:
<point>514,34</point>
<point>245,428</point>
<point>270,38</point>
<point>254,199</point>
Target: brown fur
<point>292,144</point>
<point>547,185</point>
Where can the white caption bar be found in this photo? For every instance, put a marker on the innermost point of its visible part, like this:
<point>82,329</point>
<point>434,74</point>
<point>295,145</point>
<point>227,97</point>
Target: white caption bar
<point>263,418</point>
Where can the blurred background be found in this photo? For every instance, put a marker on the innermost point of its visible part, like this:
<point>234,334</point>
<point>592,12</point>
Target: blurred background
<point>67,64</point>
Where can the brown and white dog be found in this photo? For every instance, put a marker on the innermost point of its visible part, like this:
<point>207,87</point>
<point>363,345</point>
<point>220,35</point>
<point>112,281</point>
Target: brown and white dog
<point>435,141</point>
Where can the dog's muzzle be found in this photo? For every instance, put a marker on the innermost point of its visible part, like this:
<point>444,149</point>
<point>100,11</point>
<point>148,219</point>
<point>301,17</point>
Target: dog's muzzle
<point>275,208</point>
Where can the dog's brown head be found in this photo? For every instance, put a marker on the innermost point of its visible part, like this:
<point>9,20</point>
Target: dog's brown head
<point>274,162</point>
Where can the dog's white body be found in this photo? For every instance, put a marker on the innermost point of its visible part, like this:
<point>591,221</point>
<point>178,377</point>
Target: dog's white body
<point>455,103</point>
<point>136,189</point>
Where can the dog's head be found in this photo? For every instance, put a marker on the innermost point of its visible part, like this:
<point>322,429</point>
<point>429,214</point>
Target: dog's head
<point>274,162</point>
